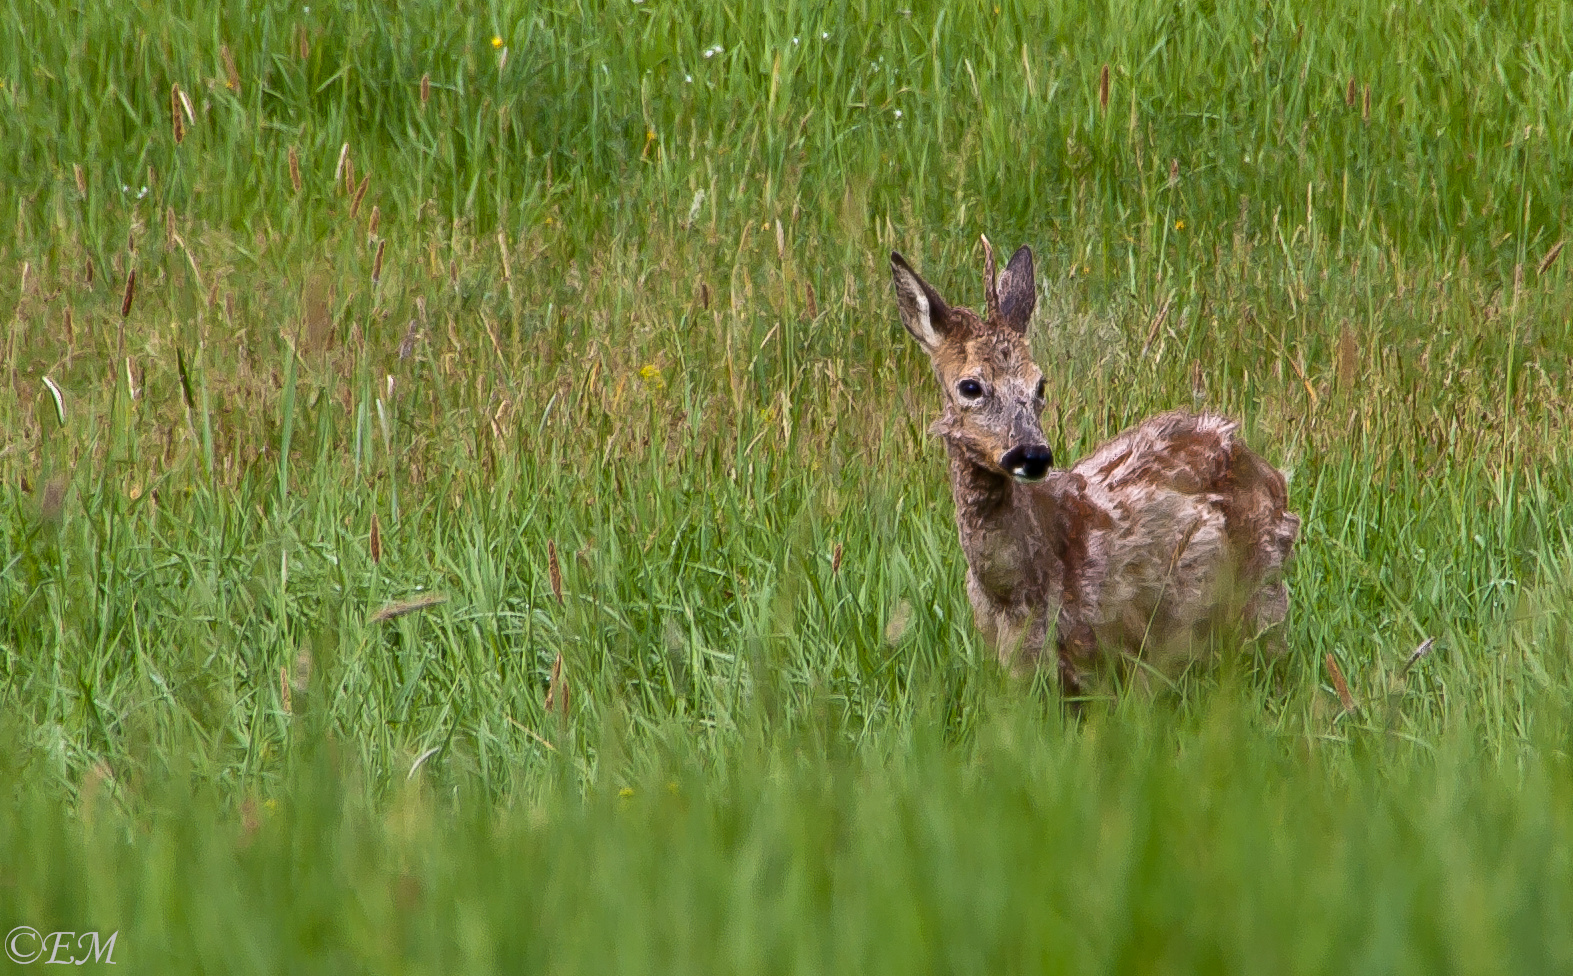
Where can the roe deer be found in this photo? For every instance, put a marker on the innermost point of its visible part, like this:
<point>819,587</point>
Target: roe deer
<point>1135,556</point>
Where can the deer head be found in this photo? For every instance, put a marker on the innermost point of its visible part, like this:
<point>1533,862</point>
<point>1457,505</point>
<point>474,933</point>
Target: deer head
<point>993,390</point>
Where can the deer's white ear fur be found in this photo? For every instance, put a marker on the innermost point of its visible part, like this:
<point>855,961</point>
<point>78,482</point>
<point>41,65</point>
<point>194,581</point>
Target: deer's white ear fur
<point>923,312</point>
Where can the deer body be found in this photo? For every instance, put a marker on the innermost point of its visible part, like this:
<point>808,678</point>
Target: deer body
<point>1165,534</point>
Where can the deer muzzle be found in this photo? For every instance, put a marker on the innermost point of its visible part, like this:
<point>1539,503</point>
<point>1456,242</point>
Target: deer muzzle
<point>1028,463</point>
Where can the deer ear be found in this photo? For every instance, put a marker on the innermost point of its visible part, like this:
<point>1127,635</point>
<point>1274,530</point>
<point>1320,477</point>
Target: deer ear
<point>923,312</point>
<point>1018,291</point>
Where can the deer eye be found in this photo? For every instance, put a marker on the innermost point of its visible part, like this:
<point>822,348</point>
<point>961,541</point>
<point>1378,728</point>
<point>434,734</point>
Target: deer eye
<point>969,389</point>
<point>1038,393</point>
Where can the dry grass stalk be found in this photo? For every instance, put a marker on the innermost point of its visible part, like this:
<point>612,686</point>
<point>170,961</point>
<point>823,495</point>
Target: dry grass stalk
<point>553,571</point>
<point>1157,323</point>
<point>169,229</point>
<point>1350,92</point>
<point>557,690</point>
<point>70,332</point>
<point>176,122</point>
<point>1305,381</point>
<point>531,732</point>
<point>231,75</point>
<point>60,400</point>
<point>407,347</point>
<point>360,194</point>
<point>376,264</point>
<point>1365,104</point>
<point>87,271</point>
<point>376,539</point>
<point>131,288</point>
<point>81,180</point>
<point>344,157</point>
<point>1550,258</point>
<point>284,696</point>
<point>399,608</point>
<point>1415,657</point>
<point>835,560</point>
<point>349,178</point>
<point>704,296</point>
<point>1340,685</point>
<point>1103,89</point>
<point>302,43</point>
<point>813,303</point>
<point>294,168</point>
<point>425,89</point>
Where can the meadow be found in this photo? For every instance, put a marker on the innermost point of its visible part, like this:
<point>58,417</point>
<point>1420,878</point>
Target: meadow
<point>466,504</point>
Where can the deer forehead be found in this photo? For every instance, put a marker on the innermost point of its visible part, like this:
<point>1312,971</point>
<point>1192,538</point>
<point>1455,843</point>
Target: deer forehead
<point>995,356</point>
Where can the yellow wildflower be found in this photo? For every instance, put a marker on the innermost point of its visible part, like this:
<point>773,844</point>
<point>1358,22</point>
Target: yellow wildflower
<point>651,373</point>
<point>496,42</point>
<point>1179,225</point>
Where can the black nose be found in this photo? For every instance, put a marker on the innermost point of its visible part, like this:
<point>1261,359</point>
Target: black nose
<point>1028,463</point>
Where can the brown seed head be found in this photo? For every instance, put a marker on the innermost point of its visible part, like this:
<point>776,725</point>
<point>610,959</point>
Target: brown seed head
<point>1103,89</point>
<point>231,75</point>
<point>1550,258</point>
<point>1339,684</point>
<point>554,573</point>
<point>557,689</point>
<point>294,168</point>
<point>176,121</point>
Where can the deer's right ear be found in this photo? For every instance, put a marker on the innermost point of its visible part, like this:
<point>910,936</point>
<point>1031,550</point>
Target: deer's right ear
<point>923,312</point>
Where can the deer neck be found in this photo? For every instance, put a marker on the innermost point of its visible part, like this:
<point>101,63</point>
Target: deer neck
<point>982,496</point>
<point>1005,529</point>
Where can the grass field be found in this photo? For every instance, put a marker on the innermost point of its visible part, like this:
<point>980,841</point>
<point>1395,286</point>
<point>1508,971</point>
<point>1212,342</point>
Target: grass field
<point>566,329</point>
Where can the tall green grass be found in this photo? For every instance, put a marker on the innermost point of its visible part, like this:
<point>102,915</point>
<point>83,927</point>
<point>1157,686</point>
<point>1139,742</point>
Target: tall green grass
<point>631,307</point>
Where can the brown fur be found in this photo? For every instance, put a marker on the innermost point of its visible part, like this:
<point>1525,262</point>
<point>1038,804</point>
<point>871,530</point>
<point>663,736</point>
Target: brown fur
<point>1141,552</point>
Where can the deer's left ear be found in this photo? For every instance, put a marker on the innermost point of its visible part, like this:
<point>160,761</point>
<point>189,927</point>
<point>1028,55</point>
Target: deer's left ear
<point>1018,292</point>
